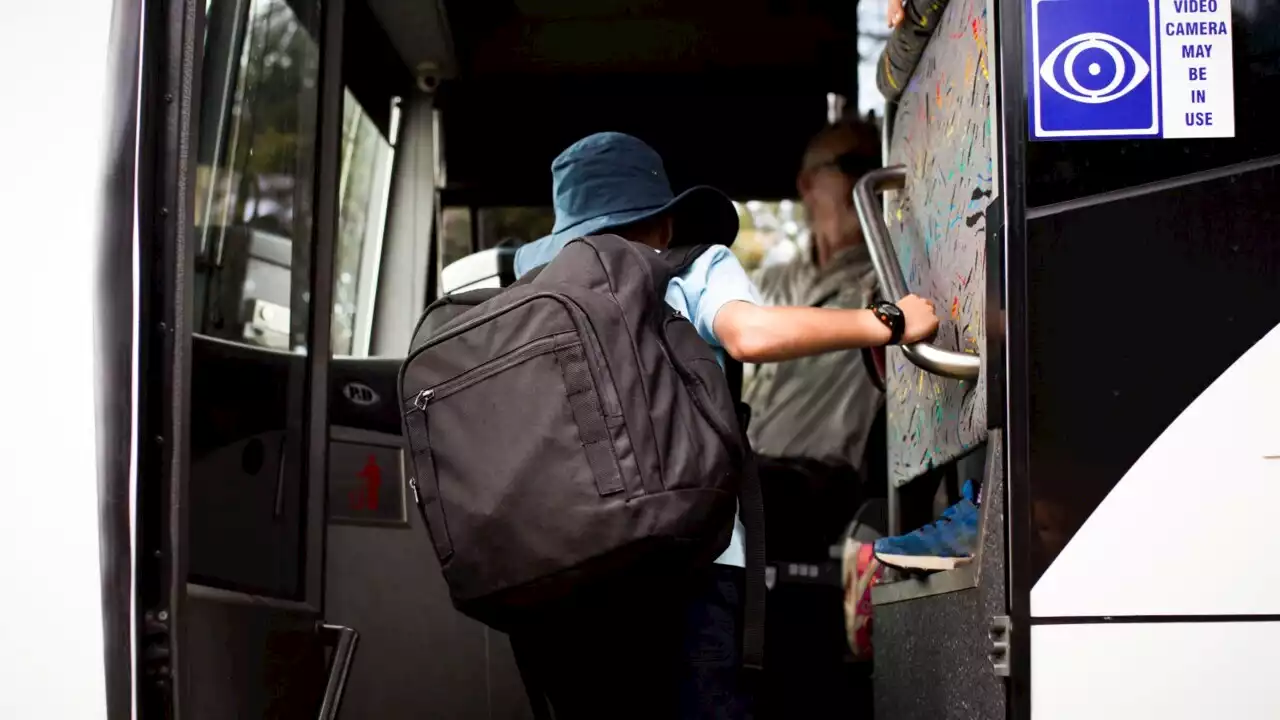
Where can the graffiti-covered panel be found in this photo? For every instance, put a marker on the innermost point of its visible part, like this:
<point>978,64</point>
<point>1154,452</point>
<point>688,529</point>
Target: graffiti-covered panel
<point>942,134</point>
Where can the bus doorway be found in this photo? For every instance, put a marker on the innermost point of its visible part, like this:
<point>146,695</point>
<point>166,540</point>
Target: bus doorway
<point>320,160</point>
<point>311,171</point>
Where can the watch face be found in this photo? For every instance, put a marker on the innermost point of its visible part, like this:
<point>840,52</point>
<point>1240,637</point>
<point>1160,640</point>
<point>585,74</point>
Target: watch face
<point>889,309</point>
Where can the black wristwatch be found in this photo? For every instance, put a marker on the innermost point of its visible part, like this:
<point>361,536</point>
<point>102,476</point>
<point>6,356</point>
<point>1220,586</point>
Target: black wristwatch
<point>891,315</point>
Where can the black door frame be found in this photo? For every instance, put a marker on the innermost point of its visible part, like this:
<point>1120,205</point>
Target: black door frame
<point>171,44</point>
<point>1011,99</point>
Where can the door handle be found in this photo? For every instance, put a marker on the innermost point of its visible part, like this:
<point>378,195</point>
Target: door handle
<point>924,355</point>
<point>344,650</point>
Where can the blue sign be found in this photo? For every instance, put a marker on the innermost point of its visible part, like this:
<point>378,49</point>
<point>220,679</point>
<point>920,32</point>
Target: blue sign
<point>1129,68</point>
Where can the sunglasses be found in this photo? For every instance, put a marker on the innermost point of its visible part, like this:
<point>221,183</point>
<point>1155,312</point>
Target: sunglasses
<point>853,164</point>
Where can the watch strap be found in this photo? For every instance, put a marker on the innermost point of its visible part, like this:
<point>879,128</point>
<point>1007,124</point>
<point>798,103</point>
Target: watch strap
<point>895,321</point>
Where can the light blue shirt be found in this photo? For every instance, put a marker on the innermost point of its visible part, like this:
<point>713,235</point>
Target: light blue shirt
<point>715,279</point>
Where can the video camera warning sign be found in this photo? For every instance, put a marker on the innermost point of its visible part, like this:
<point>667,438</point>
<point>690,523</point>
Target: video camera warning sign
<point>1130,69</point>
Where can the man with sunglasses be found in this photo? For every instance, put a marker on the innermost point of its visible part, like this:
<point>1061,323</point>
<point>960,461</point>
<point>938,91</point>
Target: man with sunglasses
<point>821,408</point>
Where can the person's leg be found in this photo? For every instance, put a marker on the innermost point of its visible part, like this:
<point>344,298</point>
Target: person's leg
<point>711,679</point>
<point>807,505</point>
<point>527,649</point>
<point>612,660</point>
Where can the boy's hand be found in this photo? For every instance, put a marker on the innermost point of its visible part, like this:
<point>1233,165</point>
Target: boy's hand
<point>921,320</point>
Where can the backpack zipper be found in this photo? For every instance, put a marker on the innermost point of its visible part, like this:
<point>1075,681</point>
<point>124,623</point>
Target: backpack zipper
<point>421,400</point>
<point>581,323</point>
<point>487,370</point>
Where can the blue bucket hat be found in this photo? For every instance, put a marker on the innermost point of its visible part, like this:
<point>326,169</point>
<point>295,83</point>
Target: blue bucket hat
<point>609,180</point>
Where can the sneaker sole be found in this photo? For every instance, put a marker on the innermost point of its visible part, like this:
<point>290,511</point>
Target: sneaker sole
<point>922,562</point>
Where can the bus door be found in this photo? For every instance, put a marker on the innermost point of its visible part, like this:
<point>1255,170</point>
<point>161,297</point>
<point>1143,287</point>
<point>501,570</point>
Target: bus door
<point>243,117</point>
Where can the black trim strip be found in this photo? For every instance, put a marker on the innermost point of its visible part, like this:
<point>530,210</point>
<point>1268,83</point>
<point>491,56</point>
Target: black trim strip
<point>1154,187</point>
<point>1150,619</point>
<point>113,316</point>
<point>170,97</point>
<point>324,230</point>
<point>1011,103</point>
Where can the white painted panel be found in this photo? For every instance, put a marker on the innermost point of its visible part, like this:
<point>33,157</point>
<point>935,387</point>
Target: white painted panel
<point>1164,671</point>
<point>1191,528</point>
<point>53,148</point>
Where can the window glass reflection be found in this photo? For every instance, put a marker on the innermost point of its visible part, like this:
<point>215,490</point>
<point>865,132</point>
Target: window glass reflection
<point>255,176</point>
<point>363,187</point>
<point>255,184</point>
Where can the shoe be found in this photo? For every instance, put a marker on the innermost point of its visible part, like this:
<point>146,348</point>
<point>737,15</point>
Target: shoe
<point>944,545</point>
<point>861,572</point>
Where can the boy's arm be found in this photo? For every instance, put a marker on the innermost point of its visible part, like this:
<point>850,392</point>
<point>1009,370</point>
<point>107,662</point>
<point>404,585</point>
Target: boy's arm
<point>755,334</point>
<point>728,312</point>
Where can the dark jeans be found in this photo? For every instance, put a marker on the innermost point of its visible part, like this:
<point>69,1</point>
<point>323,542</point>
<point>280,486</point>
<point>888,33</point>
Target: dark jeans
<point>653,659</point>
<point>808,505</point>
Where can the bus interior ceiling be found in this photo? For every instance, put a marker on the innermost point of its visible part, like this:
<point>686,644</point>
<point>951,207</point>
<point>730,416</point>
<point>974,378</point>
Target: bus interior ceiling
<point>727,92</point>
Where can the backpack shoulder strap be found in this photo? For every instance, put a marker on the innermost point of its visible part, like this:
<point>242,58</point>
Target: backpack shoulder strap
<point>751,506</point>
<point>528,277</point>
<point>733,372</point>
<point>751,509</point>
<point>751,497</point>
<point>679,259</point>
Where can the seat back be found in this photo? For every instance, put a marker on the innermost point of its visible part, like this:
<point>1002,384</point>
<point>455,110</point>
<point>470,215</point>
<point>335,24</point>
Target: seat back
<point>492,268</point>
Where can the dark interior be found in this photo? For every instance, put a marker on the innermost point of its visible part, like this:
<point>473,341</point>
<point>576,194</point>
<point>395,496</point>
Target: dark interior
<point>727,92</point>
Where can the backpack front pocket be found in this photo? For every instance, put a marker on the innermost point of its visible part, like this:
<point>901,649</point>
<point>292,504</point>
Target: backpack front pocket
<point>520,437</point>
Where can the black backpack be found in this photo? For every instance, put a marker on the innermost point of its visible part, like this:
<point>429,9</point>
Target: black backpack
<point>573,431</point>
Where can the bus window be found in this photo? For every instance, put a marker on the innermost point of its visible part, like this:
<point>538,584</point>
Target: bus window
<point>873,34</point>
<point>362,206</point>
<point>497,225</point>
<point>255,175</point>
<point>254,215</point>
<point>771,232</point>
<point>467,230</point>
<point>455,235</point>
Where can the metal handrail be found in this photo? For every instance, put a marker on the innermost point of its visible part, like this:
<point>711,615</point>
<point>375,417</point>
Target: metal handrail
<point>926,356</point>
<point>343,652</point>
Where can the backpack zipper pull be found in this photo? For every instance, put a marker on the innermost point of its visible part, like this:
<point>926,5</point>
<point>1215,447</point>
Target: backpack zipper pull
<point>423,398</point>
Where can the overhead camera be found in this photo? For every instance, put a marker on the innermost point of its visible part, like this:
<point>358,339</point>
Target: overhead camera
<point>428,77</point>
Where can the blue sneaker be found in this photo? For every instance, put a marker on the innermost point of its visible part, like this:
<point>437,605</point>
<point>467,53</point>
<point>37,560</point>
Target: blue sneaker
<point>944,545</point>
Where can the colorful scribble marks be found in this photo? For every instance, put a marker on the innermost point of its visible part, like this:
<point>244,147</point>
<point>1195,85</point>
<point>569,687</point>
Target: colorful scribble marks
<point>942,134</point>
<point>980,37</point>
